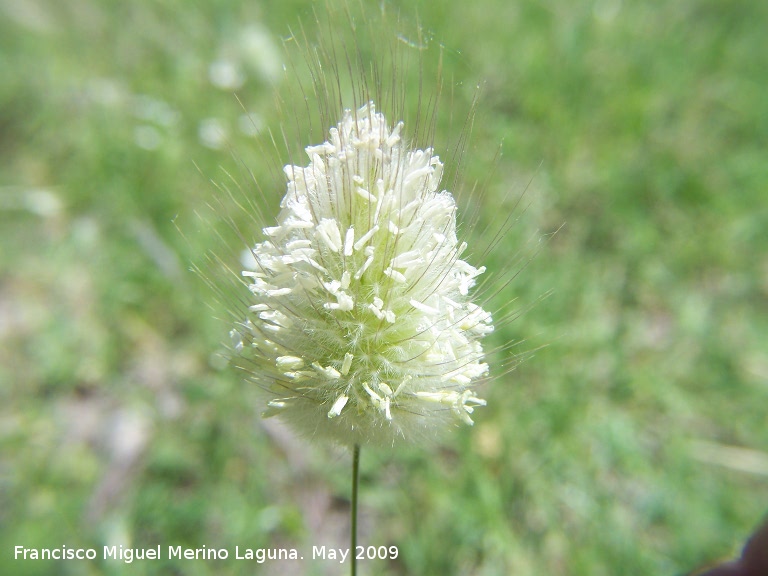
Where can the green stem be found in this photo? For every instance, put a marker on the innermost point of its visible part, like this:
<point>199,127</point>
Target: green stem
<point>355,482</point>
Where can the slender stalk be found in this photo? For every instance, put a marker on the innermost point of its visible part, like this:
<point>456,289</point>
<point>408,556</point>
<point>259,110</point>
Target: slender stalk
<point>355,483</point>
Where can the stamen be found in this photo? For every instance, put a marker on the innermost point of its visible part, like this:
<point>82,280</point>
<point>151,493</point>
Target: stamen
<point>395,275</point>
<point>338,406</point>
<point>349,240</point>
<point>328,230</point>
<point>347,364</point>
<point>365,237</point>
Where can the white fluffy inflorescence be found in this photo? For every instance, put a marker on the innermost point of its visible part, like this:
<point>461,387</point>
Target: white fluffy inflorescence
<point>361,327</point>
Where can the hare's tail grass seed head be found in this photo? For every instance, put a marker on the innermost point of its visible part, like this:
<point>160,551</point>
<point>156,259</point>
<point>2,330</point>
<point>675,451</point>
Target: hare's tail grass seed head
<point>361,325</point>
<point>355,312</point>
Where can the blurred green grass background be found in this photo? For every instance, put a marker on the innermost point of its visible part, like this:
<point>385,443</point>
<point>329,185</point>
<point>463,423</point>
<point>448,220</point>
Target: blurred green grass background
<point>634,443</point>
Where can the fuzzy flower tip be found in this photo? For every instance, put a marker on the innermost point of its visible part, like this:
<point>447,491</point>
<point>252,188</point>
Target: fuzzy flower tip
<point>361,327</point>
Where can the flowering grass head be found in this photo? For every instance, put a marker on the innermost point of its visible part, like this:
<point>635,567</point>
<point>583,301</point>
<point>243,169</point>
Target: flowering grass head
<point>361,326</point>
<point>359,311</point>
